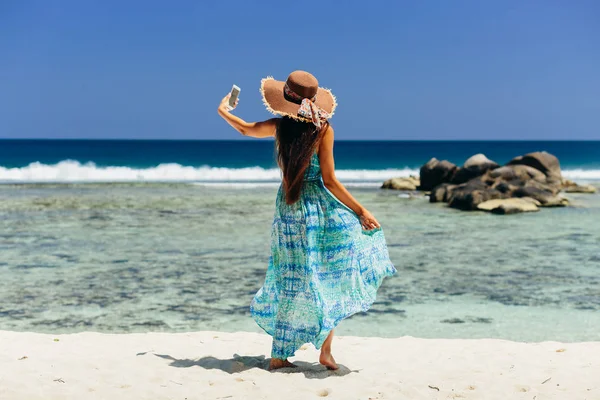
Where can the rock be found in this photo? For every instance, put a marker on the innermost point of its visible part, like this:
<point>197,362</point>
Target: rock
<point>441,193</point>
<point>507,187</point>
<point>469,195</point>
<point>541,195</point>
<point>556,201</point>
<point>509,209</point>
<point>475,166</point>
<point>477,160</point>
<point>521,172</point>
<point>410,183</point>
<point>542,161</point>
<point>503,187</point>
<point>581,189</point>
<point>510,206</point>
<point>469,200</point>
<point>453,321</point>
<point>524,184</point>
<point>545,197</point>
<point>524,201</point>
<point>543,186</point>
<point>436,172</point>
<point>572,187</point>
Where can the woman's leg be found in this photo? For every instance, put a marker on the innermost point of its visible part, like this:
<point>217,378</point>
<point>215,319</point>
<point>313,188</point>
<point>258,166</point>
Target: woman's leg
<point>326,358</point>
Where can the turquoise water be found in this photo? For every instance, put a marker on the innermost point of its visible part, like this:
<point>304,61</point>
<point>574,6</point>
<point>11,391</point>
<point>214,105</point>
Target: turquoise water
<point>185,257</point>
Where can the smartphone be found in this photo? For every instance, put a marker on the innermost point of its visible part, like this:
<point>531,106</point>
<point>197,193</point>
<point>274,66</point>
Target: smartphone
<point>235,92</point>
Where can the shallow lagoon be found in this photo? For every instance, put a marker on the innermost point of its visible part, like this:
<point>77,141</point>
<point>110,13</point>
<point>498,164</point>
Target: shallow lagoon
<point>184,257</point>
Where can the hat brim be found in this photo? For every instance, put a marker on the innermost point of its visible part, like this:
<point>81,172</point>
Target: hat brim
<point>271,91</point>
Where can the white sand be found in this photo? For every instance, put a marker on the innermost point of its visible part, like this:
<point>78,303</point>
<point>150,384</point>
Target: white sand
<point>216,365</point>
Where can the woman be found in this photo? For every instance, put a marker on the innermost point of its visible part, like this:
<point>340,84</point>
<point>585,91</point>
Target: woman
<point>328,253</point>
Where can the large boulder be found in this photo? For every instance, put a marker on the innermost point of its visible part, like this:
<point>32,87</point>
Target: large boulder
<point>411,183</point>
<point>469,195</point>
<point>517,172</point>
<point>504,183</point>
<point>544,162</point>
<point>441,193</point>
<point>475,166</point>
<point>510,206</point>
<point>549,187</point>
<point>436,172</point>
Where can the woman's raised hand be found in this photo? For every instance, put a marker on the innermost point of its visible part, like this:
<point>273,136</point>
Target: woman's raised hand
<point>368,221</point>
<point>224,106</point>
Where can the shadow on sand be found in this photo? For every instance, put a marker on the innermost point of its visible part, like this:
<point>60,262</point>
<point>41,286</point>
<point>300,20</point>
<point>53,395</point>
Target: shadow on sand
<point>243,363</point>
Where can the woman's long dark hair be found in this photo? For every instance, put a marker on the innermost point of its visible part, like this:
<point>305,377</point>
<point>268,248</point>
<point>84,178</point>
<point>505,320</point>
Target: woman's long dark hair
<point>296,141</point>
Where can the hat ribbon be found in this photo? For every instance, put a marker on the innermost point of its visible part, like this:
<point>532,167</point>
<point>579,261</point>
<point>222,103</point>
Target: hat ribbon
<point>308,109</point>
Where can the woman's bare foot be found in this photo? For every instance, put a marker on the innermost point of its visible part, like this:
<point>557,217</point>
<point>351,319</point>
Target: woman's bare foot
<point>277,363</point>
<point>327,360</point>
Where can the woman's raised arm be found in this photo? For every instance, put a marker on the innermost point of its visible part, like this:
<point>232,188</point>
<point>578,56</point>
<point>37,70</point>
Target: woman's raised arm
<point>261,129</point>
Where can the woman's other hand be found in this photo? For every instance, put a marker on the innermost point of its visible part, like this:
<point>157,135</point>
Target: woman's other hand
<point>368,221</point>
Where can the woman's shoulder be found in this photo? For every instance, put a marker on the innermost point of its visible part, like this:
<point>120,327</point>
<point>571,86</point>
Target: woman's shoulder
<point>326,139</point>
<point>328,131</point>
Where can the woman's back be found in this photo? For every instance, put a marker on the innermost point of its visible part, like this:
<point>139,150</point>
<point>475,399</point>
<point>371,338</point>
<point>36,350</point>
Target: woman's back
<point>313,171</point>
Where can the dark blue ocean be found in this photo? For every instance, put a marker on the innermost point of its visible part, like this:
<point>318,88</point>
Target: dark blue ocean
<point>253,160</point>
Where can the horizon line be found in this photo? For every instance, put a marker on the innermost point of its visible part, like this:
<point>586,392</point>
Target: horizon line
<point>267,139</point>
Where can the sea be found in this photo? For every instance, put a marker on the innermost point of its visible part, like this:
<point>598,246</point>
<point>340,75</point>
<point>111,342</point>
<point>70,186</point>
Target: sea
<point>123,236</point>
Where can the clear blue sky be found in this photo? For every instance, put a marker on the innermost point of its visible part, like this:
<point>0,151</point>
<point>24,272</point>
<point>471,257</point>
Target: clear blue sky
<point>401,70</point>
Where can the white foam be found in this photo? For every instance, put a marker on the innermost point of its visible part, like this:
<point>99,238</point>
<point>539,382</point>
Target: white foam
<point>582,174</point>
<point>73,171</point>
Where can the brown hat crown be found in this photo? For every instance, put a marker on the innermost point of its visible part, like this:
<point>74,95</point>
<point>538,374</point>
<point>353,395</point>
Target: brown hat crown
<point>302,83</point>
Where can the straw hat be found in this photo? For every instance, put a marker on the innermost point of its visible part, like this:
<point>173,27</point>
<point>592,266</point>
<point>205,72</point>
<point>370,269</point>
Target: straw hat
<point>299,97</point>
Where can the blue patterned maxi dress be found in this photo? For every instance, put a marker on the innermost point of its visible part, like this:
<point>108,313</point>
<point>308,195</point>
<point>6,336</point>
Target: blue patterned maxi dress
<point>323,268</point>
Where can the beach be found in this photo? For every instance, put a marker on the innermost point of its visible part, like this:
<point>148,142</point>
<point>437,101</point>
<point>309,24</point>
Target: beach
<point>217,365</point>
